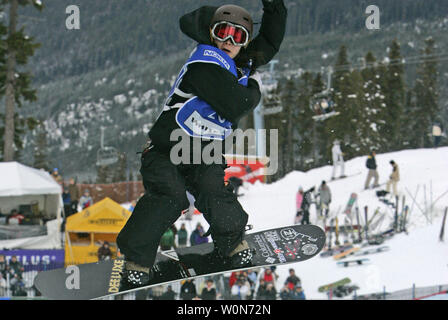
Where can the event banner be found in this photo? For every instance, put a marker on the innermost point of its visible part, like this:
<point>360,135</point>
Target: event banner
<point>36,259</point>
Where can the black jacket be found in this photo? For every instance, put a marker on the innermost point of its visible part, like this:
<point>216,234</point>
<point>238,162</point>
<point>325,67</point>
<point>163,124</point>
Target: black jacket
<point>215,85</point>
<point>371,162</point>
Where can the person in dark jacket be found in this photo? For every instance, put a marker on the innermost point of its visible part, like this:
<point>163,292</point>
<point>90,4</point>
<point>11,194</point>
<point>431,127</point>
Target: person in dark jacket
<point>104,252</point>
<point>188,290</point>
<point>298,294</point>
<point>373,173</point>
<point>182,236</point>
<point>217,86</point>
<point>74,196</point>
<point>306,204</point>
<point>169,294</point>
<point>292,279</point>
<point>198,236</point>
<point>209,292</point>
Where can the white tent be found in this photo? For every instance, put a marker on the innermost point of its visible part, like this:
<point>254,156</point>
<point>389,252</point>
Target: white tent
<point>23,185</point>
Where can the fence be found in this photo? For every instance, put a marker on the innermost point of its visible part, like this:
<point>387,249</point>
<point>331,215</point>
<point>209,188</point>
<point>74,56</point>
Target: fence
<point>406,294</point>
<point>120,192</point>
<point>21,284</point>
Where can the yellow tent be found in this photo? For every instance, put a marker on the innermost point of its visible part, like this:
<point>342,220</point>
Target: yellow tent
<point>87,230</point>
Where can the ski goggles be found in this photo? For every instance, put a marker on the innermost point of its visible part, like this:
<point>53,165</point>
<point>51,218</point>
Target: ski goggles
<point>222,31</point>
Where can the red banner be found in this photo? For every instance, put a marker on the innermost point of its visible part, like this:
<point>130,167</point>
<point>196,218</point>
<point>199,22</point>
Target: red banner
<point>247,169</point>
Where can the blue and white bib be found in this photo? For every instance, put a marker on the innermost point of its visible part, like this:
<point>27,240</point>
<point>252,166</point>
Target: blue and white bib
<point>196,117</point>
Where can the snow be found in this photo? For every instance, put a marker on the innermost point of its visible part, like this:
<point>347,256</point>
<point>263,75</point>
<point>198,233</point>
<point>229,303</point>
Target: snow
<point>416,258</point>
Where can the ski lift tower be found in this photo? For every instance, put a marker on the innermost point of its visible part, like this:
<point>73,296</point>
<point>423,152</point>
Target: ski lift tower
<point>260,111</point>
<point>105,156</point>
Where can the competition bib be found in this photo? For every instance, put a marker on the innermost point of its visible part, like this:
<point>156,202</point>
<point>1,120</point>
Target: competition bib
<point>196,117</point>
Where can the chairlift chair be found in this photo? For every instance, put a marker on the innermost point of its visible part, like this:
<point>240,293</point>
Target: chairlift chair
<point>106,156</point>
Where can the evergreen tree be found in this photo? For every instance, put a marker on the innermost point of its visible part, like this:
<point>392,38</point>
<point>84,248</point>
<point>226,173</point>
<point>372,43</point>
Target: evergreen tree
<point>15,85</point>
<point>103,174</point>
<point>41,149</point>
<point>307,128</point>
<point>394,98</point>
<point>120,170</point>
<point>342,126</point>
<point>426,107</point>
<point>373,105</point>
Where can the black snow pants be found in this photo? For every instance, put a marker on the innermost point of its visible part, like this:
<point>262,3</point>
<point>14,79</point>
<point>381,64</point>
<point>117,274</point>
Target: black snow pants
<point>165,198</point>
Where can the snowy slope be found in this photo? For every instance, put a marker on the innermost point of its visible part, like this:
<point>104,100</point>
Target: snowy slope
<point>417,258</point>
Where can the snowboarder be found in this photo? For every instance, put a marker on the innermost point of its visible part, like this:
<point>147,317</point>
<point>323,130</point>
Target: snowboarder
<point>338,159</point>
<point>218,79</point>
<point>393,178</point>
<point>306,204</point>
<point>324,199</point>
<point>373,173</point>
<point>299,199</point>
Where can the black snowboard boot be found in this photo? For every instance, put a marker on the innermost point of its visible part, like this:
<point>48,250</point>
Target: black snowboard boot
<point>135,275</point>
<point>241,256</point>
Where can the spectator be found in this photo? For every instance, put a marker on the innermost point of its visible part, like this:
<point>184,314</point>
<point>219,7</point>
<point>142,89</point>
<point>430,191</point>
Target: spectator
<point>241,289</point>
<point>233,277</point>
<point>209,292</point>
<point>252,277</point>
<point>285,293</point>
<point>74,196</point>
<point>86,200</point>
<point>56,176</point>
<point>268,276</point>
<point>15,266</point>
<point>299,199</point>
<point>3,285</point>
<point>196,236</point>
<point>373,173</point>
<point>393,178</point>
<point>14,218</point>
<point>66,199</point>
<point>167,240</point>
<point>298,294</point>
<point>169,294</point>
<point>338,159</point>
<point>271,292</point>
<point>293,280</point>
<point>182,236</point>
<point>3,265</point>
<point>261,292</point>
<point>188,290</point>
<point>324,199</point>
<point>104,252</point>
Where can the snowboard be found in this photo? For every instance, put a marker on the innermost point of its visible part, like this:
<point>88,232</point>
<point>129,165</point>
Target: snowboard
<point>345,253</point>
<point>277,246</point>
<point>334,251</point>
<point>345,176</point>
<point>372,251</point>
<point>333,285</point>
<point>353,262</point>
